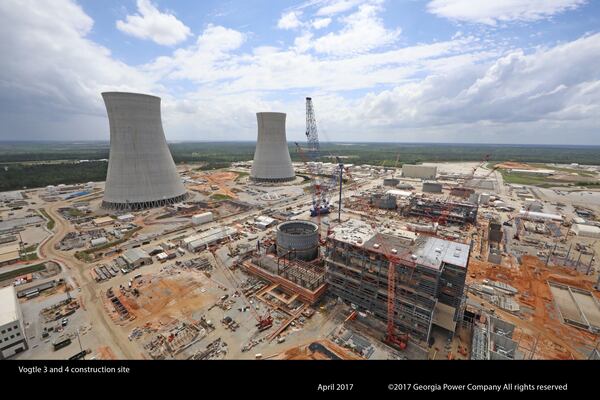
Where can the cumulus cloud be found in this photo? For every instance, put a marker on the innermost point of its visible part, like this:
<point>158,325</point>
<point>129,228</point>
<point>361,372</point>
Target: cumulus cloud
<point>320,23</point>
<point>333,7</point>
<point>460,89</point>
<point>51,70</point>
<point>516,88</point>
<point>492,12</point>
<point>150,23</point>
<point>290,20</point>
<point>363,31</point>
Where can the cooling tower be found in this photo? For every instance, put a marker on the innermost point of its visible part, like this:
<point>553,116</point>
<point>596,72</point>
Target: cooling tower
<point>272,162</point>
<point>141,172</point>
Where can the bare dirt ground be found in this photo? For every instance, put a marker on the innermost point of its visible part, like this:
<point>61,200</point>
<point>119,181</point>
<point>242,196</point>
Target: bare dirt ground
<point>102,325</point>
<point>516,165</point>
<point>303,352</point>
<point>222,179</point>
<point>555,340</point>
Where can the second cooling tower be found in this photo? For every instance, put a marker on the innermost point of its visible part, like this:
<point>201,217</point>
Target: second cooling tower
<point>272,162</point>
<point>141,172</point>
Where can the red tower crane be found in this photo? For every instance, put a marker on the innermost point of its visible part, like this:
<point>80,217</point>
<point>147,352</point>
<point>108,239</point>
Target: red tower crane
<point>394,339</point>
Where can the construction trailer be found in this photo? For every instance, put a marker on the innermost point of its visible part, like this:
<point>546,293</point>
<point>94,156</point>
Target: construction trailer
<point>429,280</point>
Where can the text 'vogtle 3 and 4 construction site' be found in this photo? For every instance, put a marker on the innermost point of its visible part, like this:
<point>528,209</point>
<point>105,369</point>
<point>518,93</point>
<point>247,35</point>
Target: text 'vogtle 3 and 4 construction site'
<point>316,259</point>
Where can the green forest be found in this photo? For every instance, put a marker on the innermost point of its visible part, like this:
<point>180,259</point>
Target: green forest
<point>38,164</point>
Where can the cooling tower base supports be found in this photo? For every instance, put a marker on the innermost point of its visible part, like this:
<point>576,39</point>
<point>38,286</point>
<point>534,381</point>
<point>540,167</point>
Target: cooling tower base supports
<point>272,180</point>
<point>143,205</point>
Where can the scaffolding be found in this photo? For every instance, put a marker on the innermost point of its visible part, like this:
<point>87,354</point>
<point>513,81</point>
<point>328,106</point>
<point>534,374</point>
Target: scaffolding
<point>359,274</point>
<point>452,212</point>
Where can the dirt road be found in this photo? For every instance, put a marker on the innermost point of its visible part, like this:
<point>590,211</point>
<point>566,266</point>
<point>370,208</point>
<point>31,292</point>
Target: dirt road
<point>79,271</point>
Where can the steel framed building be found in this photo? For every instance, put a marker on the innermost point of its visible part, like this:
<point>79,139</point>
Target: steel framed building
<point>430,284</point>
<point>141,172</point>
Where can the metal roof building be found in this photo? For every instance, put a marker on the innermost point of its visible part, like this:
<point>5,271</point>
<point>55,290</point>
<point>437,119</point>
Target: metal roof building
<point>141,172</point>
<point>272,162</point>
<point>586,230</point>
<point>12,331</point>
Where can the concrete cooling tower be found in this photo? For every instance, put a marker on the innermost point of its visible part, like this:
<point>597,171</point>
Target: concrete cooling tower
<point>141,172</point>
<point>272,162</point>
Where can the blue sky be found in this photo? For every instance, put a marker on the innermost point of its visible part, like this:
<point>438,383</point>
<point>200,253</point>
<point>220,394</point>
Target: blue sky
<point>506,71</point>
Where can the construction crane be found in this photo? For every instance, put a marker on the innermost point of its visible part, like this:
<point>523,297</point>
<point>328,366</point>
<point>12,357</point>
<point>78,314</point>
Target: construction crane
<point>392,338</point>
<point>320,186</point>
<point>320,200</point>
<point>481,178</point>
<point>518,221</point>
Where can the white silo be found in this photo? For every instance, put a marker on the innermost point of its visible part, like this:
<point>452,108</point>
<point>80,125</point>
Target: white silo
<point>272,162</point>
<point>141,172</point>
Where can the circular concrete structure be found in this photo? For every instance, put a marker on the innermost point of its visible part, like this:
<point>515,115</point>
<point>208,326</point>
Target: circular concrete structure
<point>141,172</point>
<point>272,162</point>
<point>301,237</point>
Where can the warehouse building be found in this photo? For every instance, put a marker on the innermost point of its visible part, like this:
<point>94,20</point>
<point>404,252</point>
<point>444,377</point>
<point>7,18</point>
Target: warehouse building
<point>539,216</point>
<point>135,258</point>
<point>202,218</point>
<point>589,231</point>
<point>419,171</point>
<point>9,254</point>
<point>202,240</point>
<point>13,339</point>
<point>103,221</point>
<point>430,276</point>
<point>126,218</point>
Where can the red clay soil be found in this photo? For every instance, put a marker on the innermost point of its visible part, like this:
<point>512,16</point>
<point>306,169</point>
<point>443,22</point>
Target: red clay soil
<point>512,164</point>
<point>555,339</point>
<point>302,352</point>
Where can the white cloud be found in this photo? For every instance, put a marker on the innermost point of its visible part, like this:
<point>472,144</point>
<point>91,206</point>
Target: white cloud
<point>333,7</point>
<point>461,89</point>
<point>515,89</point>
<point>50,70</point>
<point>492,12</point>
<point>290,20</point>
<point>363,31</point>
<point>150,23</point>
<point>320,23</point>
<point>208,59</point>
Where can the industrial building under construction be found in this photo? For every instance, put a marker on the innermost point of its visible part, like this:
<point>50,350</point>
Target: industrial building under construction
<point>429,278</point>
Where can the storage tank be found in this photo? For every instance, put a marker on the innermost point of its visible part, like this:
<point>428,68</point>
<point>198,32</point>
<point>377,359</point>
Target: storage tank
<point>141,172</point>
<point>272,162</point>
<point>300,237</point>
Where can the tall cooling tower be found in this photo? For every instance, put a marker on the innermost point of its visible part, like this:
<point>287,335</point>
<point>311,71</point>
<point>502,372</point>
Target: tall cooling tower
<point>272,162</point>
<point>141,172</point>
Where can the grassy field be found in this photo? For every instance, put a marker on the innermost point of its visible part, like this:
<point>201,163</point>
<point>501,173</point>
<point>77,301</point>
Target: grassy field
<point>220,197</point>
<point>27,270</point>
<point>50,224</point>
